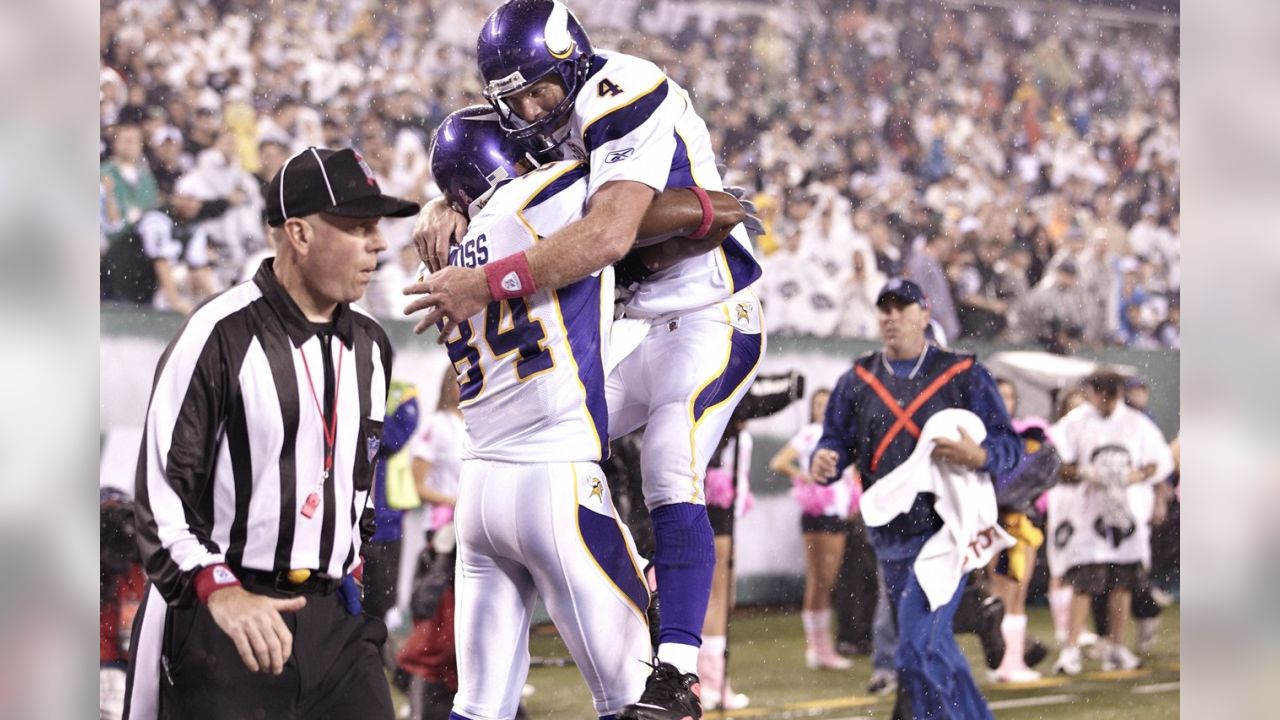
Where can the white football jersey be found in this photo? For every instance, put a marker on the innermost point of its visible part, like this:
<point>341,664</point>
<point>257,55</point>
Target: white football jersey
<point>531,369</point>
<point>631,122</point>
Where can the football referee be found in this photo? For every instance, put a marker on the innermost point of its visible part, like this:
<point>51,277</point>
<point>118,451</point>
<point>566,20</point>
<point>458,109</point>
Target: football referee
<point>254,474</point>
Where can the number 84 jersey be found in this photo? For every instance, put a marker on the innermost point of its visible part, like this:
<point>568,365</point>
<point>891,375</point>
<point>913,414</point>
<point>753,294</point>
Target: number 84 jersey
<point>531,370</point>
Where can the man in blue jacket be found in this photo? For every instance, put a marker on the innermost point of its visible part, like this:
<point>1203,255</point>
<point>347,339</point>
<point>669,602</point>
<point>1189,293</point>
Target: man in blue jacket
<point>873,420</point>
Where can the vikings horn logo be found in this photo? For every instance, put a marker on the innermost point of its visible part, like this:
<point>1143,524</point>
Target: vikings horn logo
<point>556,33</point>
<point>597,489</point>
<point>744,311</point>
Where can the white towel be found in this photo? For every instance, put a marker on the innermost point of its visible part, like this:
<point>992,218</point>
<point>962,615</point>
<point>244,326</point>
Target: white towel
<point>971,534</point>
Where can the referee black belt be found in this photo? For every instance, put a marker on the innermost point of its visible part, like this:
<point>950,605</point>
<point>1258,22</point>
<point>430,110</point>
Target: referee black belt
<point>279,583</point>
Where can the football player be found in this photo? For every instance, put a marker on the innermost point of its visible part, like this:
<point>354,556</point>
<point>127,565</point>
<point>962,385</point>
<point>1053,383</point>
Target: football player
<point>639,133</point>
<point>534,516</point>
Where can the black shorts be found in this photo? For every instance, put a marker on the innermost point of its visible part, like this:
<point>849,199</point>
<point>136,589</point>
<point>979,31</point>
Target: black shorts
<point>1097,578</point>
<point>823,524</point>
<point>721,520</point>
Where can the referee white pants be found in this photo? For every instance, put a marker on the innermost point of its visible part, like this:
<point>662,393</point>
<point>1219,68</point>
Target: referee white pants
<point>549,530</point>
<point>684,380</point>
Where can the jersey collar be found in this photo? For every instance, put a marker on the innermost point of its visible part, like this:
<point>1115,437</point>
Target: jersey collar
<point>300,330</point>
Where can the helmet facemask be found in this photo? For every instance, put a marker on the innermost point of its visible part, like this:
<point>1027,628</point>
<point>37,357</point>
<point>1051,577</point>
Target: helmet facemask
<point>540,136</point>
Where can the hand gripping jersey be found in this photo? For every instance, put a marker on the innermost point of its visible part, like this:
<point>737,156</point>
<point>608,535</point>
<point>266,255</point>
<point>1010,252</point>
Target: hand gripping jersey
<point>631,122</point>
<point>535,361</point>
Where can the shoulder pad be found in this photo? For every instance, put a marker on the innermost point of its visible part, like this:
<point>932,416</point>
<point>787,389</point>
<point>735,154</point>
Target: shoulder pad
<point>619,82</point>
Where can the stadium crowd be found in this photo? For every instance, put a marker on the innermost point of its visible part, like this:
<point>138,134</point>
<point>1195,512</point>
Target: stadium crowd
<point>1022,166</point>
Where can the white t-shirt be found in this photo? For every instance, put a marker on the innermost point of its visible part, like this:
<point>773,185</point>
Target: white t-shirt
<point>1080,525</point>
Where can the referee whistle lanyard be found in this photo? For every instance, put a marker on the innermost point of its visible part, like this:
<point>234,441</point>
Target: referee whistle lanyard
<point>330,424</point>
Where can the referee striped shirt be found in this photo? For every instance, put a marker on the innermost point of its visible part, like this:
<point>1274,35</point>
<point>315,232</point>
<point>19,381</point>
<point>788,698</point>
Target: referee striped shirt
<point>235,442</point>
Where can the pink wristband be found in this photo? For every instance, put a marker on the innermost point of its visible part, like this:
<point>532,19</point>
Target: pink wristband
<point>708,213</point>
<point>510,277</point>
<point>213,578</point>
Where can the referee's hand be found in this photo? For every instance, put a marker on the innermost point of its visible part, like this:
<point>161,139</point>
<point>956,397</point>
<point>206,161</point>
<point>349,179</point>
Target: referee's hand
<point>254,624</point>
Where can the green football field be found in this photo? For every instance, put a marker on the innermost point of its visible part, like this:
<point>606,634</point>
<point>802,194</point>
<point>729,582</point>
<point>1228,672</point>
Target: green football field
<point>767,663</point>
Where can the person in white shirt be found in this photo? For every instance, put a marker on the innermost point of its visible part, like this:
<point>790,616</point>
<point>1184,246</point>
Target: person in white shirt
<point>1113,455</point>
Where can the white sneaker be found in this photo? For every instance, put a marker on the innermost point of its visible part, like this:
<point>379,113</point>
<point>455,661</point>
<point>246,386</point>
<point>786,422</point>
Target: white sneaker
<point>1120,658</point>
<point>711,700</point>
<point>1099,650</point>
<point>1086,639</point>
<point>1148,633</point>
<point>819,660</point>
<point>1018,675</point>
<point>1068,662</point>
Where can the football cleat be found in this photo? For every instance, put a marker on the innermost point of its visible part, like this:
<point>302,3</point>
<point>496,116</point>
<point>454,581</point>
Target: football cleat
<point>668,695</point>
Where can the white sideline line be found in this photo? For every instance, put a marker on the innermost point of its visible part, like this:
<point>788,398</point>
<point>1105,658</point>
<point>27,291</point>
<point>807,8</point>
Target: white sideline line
<point>1033,701</point>
<point>1157,688</point>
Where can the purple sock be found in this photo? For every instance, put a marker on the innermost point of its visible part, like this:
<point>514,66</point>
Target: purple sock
<point>685,559</point>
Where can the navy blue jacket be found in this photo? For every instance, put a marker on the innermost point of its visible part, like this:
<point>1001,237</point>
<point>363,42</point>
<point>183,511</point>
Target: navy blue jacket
<point>860,427</point>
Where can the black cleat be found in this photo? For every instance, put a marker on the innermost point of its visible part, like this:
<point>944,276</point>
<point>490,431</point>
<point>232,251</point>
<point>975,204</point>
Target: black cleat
<point>668,695</point>
<point>990,615</point>
<point>1035,653</point>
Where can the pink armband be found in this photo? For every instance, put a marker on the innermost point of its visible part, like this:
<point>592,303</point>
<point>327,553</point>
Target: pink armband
<point>510,277</point>
<point>213,578</point>
<point>708,213</point>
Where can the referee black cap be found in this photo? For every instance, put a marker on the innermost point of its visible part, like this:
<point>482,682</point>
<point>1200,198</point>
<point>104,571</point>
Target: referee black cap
<point>337,182</point>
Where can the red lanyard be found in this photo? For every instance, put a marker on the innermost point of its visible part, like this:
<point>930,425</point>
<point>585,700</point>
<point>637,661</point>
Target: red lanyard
<point>330,429</point>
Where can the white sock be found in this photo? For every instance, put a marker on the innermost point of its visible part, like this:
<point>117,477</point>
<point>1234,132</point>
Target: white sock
<point>684,657</point>
<point>1013,622</point>
<point>713,644</point>
<point>816,620</point>
<point>1060,609</point>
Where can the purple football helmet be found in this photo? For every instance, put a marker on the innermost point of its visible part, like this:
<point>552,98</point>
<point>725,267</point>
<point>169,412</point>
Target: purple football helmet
<point>522,42</point>
<point>471,156</point>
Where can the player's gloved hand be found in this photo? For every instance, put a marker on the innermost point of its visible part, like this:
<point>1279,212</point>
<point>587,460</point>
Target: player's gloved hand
<point>351,590</point>
<point>752,222</point>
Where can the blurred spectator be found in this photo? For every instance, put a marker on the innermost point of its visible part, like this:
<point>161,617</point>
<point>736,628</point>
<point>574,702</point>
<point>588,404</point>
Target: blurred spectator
<point>1055,314</point>
<point>859,286</point>
<point>131,192</point>
<point>1029,122</point>
<point>926,267</point>
<point>235,232</point>
<point>128,176</point>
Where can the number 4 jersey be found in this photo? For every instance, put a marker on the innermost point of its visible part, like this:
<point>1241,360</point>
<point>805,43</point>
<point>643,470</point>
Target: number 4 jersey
<point>531,370</point>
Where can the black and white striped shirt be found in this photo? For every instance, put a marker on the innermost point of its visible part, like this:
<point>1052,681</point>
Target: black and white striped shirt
<point>235,443</point>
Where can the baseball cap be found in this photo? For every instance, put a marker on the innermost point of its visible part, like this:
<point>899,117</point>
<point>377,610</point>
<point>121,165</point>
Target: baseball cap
<point>338,182</point>
<point>167,133</point>
<point>904,290</point>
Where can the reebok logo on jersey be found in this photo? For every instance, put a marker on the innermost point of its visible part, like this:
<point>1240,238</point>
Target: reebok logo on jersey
<point>617,155</point>
<point>371,446</point>
<point>511,282</point>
